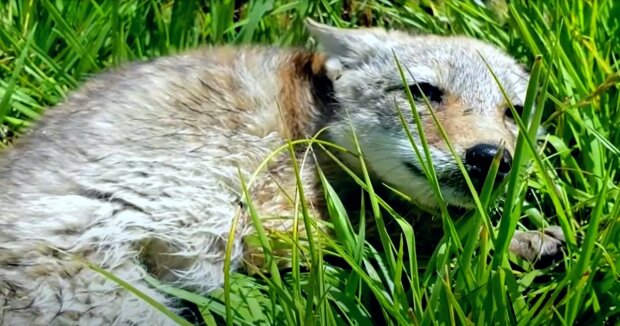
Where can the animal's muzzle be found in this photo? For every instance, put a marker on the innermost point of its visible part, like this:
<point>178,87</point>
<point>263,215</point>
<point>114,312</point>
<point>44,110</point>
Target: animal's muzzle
<point>479,159</point>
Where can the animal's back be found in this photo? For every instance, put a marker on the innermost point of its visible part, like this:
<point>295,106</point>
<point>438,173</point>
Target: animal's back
<point>141,162</point>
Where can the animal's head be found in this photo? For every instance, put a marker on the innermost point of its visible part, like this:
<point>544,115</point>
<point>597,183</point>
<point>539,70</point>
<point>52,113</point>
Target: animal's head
<point>451,72</point>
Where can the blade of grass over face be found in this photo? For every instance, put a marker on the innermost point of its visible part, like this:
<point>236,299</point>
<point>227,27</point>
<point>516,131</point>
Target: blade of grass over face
<point>431,175</point>
<point>383,235</point>
<point>511,208</point>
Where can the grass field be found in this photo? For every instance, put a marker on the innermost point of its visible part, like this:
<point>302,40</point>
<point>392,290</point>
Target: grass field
<point>48,47</point>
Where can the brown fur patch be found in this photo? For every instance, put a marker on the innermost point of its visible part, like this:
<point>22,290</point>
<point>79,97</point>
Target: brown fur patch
<point>295,99</point>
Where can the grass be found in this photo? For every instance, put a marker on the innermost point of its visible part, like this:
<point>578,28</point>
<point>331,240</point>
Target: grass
<point>47,47</point>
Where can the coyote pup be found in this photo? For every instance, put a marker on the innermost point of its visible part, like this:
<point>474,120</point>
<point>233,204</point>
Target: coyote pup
<point>139,170</point>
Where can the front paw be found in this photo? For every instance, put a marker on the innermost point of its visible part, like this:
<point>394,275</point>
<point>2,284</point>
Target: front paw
<point>541,246</point>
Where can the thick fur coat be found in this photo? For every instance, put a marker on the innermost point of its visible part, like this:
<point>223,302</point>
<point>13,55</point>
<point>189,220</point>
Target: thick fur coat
<point>139,170</point>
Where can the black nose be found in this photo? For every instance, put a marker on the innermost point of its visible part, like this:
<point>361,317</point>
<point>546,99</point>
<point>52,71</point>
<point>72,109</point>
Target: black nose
<point>480,157</point>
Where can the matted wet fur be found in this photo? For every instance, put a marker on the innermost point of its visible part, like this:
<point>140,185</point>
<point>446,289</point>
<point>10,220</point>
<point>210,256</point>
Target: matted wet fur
<point>139,169</point>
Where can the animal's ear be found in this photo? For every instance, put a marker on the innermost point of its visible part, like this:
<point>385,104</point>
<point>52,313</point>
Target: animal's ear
<point>347,45</point>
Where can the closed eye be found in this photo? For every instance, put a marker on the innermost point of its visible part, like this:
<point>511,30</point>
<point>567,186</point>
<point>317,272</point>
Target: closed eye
<point>421,90</point>
<point>509,115</point>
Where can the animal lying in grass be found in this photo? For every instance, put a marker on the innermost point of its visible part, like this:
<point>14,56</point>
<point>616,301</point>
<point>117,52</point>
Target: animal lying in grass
<point>139,170</point>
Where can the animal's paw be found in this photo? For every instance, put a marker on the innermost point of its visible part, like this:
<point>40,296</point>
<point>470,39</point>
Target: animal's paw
<point>541,246</point>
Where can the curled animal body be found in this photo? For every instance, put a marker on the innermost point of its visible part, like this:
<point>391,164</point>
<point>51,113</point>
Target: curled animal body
<point>139,170</point>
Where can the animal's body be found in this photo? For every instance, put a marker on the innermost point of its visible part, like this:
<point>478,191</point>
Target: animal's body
<point>139,170</point>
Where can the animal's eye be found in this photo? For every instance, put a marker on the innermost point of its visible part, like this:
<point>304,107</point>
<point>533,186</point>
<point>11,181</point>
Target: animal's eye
<point>420,90</point>
<point>508,112</point>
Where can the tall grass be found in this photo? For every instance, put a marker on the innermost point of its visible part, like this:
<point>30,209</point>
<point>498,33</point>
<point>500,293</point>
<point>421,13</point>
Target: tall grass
<point>47,47</point>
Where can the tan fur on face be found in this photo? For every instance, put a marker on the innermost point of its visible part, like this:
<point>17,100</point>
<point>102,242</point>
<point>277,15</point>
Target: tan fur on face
<point>464,128</point>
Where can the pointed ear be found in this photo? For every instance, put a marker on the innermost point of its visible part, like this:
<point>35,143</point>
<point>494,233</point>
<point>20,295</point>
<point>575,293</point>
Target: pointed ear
<point>348,45</point>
